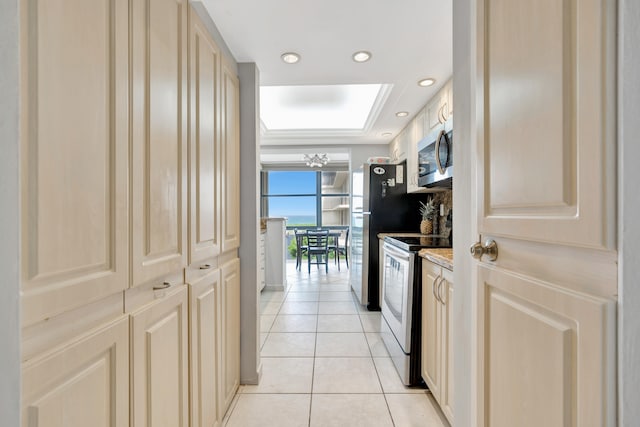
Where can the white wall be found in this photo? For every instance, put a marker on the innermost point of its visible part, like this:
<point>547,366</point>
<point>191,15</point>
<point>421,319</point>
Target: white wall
<point>250,366</point>
<point>628,211</point>
<point>9,217</point>
<point>464,31</point>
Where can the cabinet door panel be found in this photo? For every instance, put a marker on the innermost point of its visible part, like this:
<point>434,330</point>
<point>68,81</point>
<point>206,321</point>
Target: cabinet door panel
<point>85,383</point>
<point>74,154</point>
<point>546,174</point>
<point>430,328</point>
<point>159,138</point>
<point>230,336</point>
<point>160,363</point>
<point>447,370</point>
<point>543,348</point>
<point>231,158</point>
<point>204,311</point>
<point>204,144</point>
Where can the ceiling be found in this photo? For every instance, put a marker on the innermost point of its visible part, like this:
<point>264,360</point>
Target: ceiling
<point>409,40</point>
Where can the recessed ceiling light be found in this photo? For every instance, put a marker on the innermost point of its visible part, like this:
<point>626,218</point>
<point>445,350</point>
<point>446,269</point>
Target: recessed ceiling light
<point>361,56</point>
<point>402,113</point>
<point>290,57</point>
<point>387,134</point>
<point>426,82</point>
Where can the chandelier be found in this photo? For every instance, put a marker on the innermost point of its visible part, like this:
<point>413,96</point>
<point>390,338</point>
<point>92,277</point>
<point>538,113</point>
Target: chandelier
<point>316,161</point>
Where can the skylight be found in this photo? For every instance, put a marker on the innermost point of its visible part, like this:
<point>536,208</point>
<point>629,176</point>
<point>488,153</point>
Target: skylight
<point>330,107</point>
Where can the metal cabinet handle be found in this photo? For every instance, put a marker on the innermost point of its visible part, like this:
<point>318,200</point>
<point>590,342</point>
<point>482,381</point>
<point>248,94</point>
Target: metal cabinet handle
<point>440,287</point>
<point>205,266</point>
<point>490,248</point>
<point>433,288</point>
<point>164,285</point>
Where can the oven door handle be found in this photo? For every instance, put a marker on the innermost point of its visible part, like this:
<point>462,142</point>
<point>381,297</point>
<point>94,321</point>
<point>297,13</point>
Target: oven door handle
<point>398,253</point>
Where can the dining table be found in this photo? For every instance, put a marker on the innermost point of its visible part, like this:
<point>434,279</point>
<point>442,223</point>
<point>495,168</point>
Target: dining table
<point>334,233</point>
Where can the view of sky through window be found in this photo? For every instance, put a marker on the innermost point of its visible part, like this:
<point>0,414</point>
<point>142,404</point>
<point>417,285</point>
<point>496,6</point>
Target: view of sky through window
<point>300,210</point>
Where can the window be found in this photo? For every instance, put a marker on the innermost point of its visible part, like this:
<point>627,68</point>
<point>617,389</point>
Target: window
<point>306,198</point>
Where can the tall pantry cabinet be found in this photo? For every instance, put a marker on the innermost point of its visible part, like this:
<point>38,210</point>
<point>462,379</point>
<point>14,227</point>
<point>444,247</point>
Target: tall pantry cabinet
<point>130,271</point>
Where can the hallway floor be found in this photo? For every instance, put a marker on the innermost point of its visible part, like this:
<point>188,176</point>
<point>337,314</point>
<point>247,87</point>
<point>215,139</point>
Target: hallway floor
<point>324,364</point>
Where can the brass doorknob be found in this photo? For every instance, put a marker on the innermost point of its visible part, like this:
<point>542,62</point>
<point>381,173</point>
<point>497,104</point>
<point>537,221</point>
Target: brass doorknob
<point>490,248</point>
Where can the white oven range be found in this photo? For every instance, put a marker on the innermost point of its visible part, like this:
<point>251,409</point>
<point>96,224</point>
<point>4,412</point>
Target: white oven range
<point>400,301</point>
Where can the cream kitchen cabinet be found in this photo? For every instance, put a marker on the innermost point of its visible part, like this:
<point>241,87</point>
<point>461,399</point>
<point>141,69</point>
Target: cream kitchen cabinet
<point>262,260</point>
<point>159,139</point>
<point>204,345</point>
<point>230,333</point>
<point>84,382</point>
<point>275,257</point>
<point>416,131</point>
<point>117,203</point>
<point>439,109</point>
<point>437,354</point>
<point>230,102</point>
<point>398,147</point>
<point>74,154</point>
<point>205,179</point>
<point>160,362</point>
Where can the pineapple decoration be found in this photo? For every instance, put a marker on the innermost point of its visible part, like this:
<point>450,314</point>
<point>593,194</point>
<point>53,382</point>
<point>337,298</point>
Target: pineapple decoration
<point>428,212</point>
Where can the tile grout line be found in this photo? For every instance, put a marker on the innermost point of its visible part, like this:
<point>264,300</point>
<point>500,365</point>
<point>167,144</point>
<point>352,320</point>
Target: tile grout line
<point>313,369</point>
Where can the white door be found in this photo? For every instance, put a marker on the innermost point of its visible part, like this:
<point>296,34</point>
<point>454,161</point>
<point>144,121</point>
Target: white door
<point>545,195</point>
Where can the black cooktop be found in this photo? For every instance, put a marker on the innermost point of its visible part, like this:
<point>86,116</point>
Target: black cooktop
<point>417,243</point>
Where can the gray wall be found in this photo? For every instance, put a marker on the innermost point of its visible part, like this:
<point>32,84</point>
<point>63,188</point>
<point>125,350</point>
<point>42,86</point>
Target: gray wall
<point>360,153</point>
<point>250,366</point>
<point>628,208</point>
<point>9,216</point>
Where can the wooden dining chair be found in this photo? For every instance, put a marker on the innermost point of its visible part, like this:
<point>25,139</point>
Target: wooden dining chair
<point>317,242</point>
<point>301,246</point>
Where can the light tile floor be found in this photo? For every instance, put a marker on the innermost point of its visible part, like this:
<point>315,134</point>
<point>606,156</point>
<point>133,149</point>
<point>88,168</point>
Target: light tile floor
<point>324,364</point>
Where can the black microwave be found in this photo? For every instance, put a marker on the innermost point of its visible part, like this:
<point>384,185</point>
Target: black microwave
<point>435,161</point>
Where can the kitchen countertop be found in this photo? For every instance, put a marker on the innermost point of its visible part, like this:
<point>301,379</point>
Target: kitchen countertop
<point>442,257</point>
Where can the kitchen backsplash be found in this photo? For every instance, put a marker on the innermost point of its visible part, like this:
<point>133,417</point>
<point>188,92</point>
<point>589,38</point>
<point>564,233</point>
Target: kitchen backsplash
<point>445,198</point>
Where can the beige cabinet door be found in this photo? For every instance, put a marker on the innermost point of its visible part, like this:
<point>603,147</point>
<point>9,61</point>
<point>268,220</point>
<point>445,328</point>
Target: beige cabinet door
<point>74,138</point>
<point>431,351</point>
<point>83,383</point>
<point>446,344</point>
<point>160,362</point>
<point>204,143</point>
<point>416,132</point>
<point>434,111</point>
<point>437,353</point>
<point>230,333</point>
<point>230,109</point>
<point>204,315</point>
<point>545,189</point>
<point>159,144</point>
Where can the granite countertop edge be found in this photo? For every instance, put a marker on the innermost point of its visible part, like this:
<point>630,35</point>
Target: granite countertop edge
<point>441,257</point>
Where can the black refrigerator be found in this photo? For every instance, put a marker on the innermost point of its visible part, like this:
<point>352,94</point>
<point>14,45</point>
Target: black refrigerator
<point>379,204</point>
